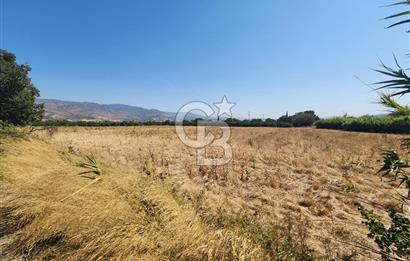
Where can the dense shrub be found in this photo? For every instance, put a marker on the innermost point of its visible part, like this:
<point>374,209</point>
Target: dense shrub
<point>8,130</point>
<point>387,124</point>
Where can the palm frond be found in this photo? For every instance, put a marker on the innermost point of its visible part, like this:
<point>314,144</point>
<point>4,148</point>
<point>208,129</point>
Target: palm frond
<point>407,2</point>
<point>393,106</point>
<point>397,15</point>
<point>401,14</point>
<point>400,84</point>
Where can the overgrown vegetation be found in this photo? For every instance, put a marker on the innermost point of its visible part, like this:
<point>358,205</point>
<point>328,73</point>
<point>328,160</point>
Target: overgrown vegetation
<point>9,130</point>
<point>129,215</point>
<point>134,215</point>
<point>393,238</point>
<point>396,238</point>
<point>284,241</point>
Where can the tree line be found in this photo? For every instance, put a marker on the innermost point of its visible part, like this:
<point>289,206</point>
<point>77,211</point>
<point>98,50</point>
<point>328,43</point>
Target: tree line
<point>300,119</point>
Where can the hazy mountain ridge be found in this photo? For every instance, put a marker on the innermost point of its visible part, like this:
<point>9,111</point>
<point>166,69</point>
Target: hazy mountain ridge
<point>89,111</point>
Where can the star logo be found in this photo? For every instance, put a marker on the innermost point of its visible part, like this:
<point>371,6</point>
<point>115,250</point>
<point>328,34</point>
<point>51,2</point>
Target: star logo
<point>224,107</point>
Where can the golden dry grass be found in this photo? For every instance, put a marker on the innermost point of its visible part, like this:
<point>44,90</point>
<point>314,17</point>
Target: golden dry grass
<point>155,203</point>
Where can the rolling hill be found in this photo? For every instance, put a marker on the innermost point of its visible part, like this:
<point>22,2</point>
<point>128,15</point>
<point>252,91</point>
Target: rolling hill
<point>88,111</point>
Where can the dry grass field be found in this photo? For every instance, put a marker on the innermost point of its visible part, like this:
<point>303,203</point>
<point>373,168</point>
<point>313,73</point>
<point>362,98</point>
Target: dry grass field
<point>288,194</point>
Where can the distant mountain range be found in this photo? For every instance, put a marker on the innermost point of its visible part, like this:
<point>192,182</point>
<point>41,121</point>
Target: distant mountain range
<point>88,111</point>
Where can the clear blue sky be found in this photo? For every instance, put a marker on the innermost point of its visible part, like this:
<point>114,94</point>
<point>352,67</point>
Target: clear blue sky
<point>268,56</point>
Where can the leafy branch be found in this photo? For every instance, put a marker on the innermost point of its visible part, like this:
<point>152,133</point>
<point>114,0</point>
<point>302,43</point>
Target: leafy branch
<point>395,239</point>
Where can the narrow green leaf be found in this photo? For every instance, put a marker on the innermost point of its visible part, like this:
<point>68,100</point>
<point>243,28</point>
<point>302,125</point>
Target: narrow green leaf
<point>399,23</point>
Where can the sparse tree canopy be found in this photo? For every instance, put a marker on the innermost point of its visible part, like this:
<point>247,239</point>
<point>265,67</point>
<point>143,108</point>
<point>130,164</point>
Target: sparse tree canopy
<point>17,92</point>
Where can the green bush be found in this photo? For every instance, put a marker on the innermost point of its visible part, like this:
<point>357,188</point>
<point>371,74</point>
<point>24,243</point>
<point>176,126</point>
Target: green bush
<point>386,124</point>
<point>395,238</point>
<point>9,130</point>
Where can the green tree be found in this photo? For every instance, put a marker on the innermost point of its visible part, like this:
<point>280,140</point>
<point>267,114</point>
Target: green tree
<point>285,121</point>
<point>17,93</point>
<point>304,119</point>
